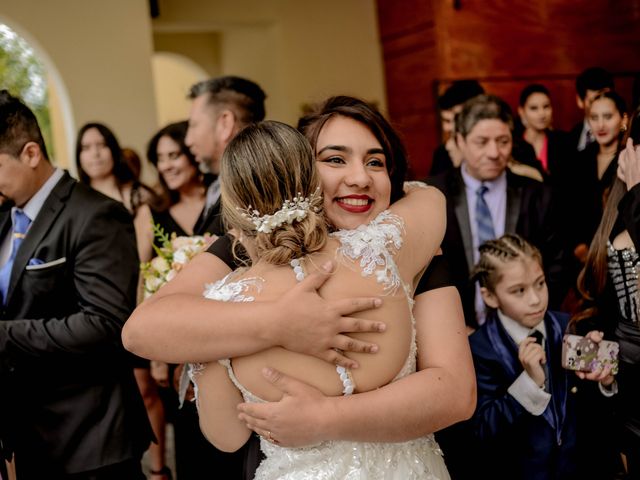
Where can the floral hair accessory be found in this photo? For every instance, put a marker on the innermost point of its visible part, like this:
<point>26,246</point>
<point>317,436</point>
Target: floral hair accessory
<point>292,210</point>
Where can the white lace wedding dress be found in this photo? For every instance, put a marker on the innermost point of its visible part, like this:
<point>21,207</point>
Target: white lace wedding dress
<point>372,247</point>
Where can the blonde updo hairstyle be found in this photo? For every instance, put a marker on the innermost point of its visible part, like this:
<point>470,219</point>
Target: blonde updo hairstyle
<point>265,165</point>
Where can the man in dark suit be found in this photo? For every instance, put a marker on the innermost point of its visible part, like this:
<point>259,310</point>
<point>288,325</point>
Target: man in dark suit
<point>220,108</point>
<point>517,204</point>
<point>589,84</point>
<point>69,404</point>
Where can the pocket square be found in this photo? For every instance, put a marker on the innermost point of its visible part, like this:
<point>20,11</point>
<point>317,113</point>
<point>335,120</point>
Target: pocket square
<point>38,264</point>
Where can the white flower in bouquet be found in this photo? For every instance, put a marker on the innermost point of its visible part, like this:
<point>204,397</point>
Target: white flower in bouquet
<point>172,255</point>
<point>160,264</point>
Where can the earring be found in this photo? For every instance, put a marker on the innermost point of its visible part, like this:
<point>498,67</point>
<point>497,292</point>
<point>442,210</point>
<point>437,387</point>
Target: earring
<point>623,128</point>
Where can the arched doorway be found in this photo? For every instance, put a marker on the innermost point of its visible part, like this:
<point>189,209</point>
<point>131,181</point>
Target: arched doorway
<point>45,92</point>
<point>173,75</point>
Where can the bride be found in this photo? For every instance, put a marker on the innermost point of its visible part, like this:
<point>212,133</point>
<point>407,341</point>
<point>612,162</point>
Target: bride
<point>271,198</point>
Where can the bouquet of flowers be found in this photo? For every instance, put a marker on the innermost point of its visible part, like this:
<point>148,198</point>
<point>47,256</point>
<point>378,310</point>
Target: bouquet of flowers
<point>171,256</point>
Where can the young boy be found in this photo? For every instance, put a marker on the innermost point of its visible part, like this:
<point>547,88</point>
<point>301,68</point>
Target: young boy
<point>526,417</point>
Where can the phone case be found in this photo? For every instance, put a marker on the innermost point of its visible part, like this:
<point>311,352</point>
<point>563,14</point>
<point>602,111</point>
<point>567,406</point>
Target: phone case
<point>583,355</point>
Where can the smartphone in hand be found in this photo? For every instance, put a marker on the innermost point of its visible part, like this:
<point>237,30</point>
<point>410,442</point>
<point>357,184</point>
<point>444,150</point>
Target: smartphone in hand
<point>584,355</point>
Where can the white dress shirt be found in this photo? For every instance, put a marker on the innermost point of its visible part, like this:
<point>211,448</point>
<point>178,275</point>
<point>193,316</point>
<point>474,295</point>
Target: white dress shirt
<point>526,392</point>
<point>582,140</point>
<point>496,198</point>
<point>31,210</point>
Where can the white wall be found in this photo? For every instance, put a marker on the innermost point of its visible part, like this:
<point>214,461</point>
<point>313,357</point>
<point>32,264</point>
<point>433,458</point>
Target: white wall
<point>298,51</point>
<point>102,57</point>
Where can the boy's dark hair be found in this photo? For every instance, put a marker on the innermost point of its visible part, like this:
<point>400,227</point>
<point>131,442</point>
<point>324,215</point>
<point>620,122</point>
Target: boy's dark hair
<point>459,92</point>
<point>493,253</point>
<point>594,78</point>
<point>18,126</point>
<point>245,95</point>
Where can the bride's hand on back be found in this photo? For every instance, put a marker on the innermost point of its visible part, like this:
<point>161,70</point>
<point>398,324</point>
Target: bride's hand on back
<point>318,327</point>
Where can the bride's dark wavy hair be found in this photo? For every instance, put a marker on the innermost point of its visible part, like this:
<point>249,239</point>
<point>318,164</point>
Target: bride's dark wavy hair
<point>360,111</point>
<point>263,166</point>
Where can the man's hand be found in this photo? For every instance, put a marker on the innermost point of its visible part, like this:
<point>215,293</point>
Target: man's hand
<point>318,327</point>
<point>532,357</point>
<point>296,420</point>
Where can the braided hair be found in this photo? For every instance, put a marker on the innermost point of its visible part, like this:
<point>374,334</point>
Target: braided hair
<point>495,253</point>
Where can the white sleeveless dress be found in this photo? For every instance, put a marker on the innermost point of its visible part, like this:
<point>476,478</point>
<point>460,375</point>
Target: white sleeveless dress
<point>372,247</point>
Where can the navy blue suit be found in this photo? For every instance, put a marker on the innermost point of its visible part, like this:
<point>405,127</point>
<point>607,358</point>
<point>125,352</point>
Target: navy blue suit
<point>512,442</point>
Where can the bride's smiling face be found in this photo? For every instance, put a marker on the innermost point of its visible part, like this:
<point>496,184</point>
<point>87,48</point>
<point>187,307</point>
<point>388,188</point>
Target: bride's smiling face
<point>353,171</point>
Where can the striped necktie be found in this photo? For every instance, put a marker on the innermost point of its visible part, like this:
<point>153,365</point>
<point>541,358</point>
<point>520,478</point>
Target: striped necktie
<point>20,226</point>
<point>483,217</point>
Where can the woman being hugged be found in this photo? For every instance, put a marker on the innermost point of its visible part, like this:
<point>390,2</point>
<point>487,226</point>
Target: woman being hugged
<point>271,198</point>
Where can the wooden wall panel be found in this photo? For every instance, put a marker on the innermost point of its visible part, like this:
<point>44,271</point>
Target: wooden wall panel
<point>409,40</point>
<point>505,44</point>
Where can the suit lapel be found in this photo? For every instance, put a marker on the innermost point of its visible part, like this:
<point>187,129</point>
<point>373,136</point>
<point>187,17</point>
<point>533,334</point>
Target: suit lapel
<point>462,215</point>
<point>504,346</point>
<point>514,198</point>
<point>5,224</point>
<point>205,222</point>
<point>507,352</point>
<point>559,380</point>
<point>48,214</point>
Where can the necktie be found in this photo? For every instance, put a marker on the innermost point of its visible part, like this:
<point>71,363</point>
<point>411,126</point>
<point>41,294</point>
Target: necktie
<point>20,225</point>
<point>483,217</point>
<point>539,336</point>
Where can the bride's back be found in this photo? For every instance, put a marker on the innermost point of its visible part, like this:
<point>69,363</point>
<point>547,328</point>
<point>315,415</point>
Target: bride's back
<point>347,280</point>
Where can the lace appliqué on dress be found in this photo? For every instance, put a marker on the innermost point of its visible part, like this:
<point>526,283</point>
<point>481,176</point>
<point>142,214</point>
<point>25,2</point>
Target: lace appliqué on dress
<point>375,244</point>
<point>233,291</point>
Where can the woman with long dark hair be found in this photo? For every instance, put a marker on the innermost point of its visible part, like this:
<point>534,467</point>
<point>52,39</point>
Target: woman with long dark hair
<point>609,287</point>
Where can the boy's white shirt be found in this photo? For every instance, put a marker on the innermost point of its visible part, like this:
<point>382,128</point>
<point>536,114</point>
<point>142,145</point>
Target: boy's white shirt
<point>526,392</point>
